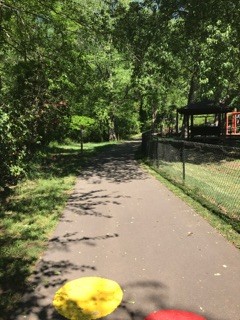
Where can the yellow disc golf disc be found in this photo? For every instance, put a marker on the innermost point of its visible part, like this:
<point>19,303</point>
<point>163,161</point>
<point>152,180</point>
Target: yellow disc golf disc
<point>88,298</point>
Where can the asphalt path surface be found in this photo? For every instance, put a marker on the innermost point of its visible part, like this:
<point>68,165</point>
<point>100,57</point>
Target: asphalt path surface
<point>120,223</point>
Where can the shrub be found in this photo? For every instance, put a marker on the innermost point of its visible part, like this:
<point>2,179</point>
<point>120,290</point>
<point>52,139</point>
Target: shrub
<point>12,153</point>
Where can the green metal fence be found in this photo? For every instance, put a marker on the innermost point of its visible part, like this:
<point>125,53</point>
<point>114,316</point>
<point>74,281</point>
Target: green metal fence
<point>210,173</point>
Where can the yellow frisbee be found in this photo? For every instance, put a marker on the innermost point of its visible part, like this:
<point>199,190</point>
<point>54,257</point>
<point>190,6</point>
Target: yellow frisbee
<point>88,298</point>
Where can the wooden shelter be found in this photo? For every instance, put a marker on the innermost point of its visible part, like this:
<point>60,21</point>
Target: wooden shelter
<point>190,129</point>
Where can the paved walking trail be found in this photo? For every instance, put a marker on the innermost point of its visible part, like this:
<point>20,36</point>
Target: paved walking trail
<point>122,224</point>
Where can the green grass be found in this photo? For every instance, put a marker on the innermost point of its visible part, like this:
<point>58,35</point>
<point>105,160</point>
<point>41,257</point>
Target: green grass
<point>216,183</point>
<point>227,223</point>
<point>29,215</point>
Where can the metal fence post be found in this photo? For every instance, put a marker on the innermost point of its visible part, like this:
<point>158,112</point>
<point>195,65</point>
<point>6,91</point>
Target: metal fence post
<point>183,162</point>
<point>157,155</point>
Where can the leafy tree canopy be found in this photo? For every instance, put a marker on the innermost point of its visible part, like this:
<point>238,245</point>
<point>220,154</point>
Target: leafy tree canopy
<point>120,63</point>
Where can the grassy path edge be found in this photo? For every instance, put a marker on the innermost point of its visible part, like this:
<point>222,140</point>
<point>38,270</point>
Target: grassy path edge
<point>30,214</point>
<point>222,226</point>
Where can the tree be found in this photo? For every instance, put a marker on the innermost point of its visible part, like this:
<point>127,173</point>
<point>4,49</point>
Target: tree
<point>145,32</point>
<point>207,46</point>
<point>122,63</point>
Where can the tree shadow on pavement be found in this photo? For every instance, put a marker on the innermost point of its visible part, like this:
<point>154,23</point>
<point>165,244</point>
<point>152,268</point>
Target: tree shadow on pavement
<point>60,243</point>
<point>140,298</point>
<point>87,203</point>
<point>49,276</point>
<point>114,164</point>
<point>144,297</point>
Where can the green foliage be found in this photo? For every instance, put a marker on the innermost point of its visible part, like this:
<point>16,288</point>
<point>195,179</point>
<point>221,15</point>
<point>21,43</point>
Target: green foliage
<point>82,127</point>
<point>81,122</point>
<point>12,155</point>
<point>121,63</point>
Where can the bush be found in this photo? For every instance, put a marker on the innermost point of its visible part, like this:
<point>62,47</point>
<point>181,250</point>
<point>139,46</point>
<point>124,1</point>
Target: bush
<point>12,153</point>
<point>82,127</point>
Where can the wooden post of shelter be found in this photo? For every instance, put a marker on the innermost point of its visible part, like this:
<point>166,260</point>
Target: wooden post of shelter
<point>191,125</point>
<point>177,123</point>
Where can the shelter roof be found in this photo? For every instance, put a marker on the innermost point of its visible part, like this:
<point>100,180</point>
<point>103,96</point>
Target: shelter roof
<point>204,107</point>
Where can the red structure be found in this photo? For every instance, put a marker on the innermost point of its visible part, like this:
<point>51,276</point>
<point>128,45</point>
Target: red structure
<point>233,123</point>
<point>173,315</point>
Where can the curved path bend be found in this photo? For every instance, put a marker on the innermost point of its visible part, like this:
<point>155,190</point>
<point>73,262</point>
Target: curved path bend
<point>123,224</point>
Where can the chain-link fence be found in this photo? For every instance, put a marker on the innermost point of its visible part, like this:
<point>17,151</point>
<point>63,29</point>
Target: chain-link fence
<point>209,173</point>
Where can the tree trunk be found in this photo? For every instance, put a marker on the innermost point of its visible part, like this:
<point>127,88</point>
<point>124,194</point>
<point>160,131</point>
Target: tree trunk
<point>142,113</point>
<point>111,126</point>
<point>154,117</point>
<point>194,86</point>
